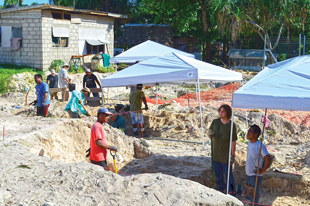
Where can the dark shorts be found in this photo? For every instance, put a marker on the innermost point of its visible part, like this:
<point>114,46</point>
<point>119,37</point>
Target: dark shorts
<point>100,163</point>
<point>42,111</point>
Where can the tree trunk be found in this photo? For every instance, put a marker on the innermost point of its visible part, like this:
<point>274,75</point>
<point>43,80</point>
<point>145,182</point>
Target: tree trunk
<point>224,55</point>
<point>206,45</point>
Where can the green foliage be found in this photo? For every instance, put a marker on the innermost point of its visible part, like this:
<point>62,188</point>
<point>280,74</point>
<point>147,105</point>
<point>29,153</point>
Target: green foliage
<point>56,65</point>
<point>106,69</point>
<point>10,2</point>
<point>9,70</point>
<point>282,57</point>
<point>76,69</point>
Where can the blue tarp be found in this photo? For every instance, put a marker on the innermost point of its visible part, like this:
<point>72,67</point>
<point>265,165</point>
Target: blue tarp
<point>284,86</point>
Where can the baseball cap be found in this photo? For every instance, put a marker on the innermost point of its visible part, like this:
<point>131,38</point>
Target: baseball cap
<point>139,85</point>
<point>87,70</point>
<point>53,71</point>
<point>104,110</point>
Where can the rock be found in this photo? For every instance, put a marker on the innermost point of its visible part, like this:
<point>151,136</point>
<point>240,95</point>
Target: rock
<point>182,126</point>
<point>280,157</point>
<point>159,177</point>
<point>146,143</point>
<point>48,204</point>
<point>4,194</point>
<point>307,158</point>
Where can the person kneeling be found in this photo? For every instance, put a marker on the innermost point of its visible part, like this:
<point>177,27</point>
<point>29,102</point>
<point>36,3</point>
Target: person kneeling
<point>76,103</point>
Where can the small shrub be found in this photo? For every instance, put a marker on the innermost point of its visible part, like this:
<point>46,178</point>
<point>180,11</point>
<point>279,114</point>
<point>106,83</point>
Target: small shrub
<point>108,69</point>
<point>76,69</point>
<point>56,65</point>
<point>282,57</point>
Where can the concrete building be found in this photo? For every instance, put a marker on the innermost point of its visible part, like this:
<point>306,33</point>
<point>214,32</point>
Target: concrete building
<point>38,34</point>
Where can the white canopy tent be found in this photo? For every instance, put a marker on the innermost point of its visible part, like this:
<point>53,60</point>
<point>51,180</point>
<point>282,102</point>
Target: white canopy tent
<point>284,85</point>
<point>144,51</point>
<point>171,69</point>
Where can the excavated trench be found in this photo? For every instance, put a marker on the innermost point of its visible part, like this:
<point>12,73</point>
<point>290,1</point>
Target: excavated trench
<point>67,140</point>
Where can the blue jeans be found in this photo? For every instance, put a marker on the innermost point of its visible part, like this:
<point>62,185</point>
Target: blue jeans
<point>219,170</point>
<point>250,180</point>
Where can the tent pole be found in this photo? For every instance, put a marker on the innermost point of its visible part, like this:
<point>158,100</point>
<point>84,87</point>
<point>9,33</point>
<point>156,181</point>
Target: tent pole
<point>230,143</point>
<point>259,157</point>
<point>299,44</point>
<point>156,98</point>
<point>264,53</point>
<point>304,45</point>
<point>102,96</point>
<point>201,125</point>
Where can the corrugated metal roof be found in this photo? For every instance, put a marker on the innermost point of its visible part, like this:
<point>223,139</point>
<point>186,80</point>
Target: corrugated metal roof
<point>61,8</point>
<point>245,53</point>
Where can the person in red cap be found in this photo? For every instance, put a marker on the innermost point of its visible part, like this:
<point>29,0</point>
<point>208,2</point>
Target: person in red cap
<point>98,142</point>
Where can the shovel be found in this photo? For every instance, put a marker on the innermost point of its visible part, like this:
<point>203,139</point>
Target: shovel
<point>113,153</point>
<point>22,108</point>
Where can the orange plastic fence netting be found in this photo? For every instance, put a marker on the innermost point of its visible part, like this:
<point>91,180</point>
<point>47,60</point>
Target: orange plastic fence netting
<point>191,99</point>
<point>223,95</point>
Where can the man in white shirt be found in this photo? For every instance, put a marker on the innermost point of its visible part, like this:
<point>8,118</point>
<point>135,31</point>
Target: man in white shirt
<point>63,80</point>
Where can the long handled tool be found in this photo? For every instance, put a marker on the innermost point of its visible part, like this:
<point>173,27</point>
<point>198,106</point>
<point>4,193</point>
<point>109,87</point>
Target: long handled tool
<point>23,108</point>
<point>87,114</point>
<point>114,155</point>
<point>212,169</point>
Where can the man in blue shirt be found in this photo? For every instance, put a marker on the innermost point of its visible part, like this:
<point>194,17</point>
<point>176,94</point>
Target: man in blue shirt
<point>42,96</point>
<point>118,122</point>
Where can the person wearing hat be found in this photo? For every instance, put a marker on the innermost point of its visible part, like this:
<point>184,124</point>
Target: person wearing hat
<point>118,122</point>
<point>75,104</point>
<point>64,81</point>
<point>90,81</point>
<point>136,99</point>
<point>53,78</point>
<point>98,142</point>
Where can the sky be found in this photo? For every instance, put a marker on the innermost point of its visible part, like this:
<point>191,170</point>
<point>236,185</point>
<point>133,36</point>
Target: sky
<point>29,2</point>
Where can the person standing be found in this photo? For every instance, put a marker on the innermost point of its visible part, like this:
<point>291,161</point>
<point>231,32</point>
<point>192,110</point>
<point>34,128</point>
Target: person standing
<point>136,99</point>
<point>251,164</point>
<point>64,81</point>
<point>76,102</point>
<point>98,142</point>
<point>221,140</point>
<point>42,100</point>
<point>53,78</point>
<point>90,81</point>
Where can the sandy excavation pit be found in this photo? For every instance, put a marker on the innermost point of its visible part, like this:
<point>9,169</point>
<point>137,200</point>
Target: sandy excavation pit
<point>65,140</point>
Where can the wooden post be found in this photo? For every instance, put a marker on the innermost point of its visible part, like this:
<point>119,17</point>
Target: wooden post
<point>187,98</point>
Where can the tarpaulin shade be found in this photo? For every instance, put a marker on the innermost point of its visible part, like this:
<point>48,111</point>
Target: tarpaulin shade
<point>94,42</point>
<point>283,86</point>
<point>61,32</point>
<point>146,50</point>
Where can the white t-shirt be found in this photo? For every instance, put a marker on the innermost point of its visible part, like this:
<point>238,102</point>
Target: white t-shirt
<point>62,75</point>
<point>252,157</point>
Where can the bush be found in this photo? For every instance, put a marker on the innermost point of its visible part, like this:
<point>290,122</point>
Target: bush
<point>108,69</point>
<point>76,69</point>
<point>56,65</point>
<point>282,57</point>
<point>8,70</point>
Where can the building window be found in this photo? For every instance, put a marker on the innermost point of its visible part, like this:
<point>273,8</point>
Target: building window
<point>60,41</point>
<point>0,36</point>
<point>17,33</point>
<point>60,37</point>
<point>95,49</point>
<point>61,15</point>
